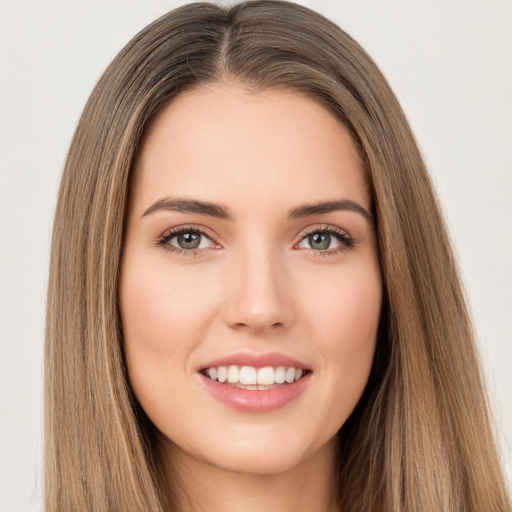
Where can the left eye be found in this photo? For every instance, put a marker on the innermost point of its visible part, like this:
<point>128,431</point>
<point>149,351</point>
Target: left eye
<point>189,240</point>
<point>320,241</point>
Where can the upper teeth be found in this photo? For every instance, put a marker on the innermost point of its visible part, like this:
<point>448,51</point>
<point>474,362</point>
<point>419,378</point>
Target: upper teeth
<point>249,375</point>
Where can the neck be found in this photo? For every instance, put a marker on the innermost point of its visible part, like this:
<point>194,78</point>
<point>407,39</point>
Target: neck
<point>197,486</point>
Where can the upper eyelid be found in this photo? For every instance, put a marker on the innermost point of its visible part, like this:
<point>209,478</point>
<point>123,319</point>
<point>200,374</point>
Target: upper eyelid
<point>329,228</point>
<point>203,230</point>
<point>211,234</point>
<point>322,227</point>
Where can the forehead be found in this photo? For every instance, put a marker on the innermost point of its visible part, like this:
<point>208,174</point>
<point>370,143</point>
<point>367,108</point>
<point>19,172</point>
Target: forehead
<point>225,143</point>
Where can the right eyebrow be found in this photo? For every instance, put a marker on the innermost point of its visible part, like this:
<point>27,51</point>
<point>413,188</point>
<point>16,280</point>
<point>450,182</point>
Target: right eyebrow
<point>190,206</point>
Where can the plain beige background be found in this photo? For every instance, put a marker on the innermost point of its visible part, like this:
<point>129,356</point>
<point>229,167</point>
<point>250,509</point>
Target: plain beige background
<point>450,63</point>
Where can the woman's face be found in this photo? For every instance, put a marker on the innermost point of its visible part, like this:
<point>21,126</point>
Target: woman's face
<point>250,258</point>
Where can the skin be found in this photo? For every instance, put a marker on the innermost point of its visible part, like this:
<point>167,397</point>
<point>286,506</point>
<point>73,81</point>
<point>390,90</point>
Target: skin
<point>255,285</point>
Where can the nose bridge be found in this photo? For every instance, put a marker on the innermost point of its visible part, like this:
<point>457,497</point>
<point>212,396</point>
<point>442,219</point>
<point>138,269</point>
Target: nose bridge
<point>257,294</point>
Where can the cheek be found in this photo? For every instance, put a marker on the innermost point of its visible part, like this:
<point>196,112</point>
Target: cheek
<point>357,314</point>
<point>147,316</point>
<point>346,309</point>
<point>161,313</point>
<point>163,321</point>
<point>346,321</point>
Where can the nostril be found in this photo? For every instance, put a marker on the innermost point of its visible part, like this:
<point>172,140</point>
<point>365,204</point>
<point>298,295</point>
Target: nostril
<point>253,327</point>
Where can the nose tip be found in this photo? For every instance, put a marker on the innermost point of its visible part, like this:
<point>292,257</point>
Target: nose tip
<point>255,321</point>
<point>258,298</point>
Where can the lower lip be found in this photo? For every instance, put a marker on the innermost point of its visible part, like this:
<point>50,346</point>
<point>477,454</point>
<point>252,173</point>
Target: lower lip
<point>249,400</point>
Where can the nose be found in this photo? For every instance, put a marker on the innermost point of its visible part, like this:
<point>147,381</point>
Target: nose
<point>258,294</point>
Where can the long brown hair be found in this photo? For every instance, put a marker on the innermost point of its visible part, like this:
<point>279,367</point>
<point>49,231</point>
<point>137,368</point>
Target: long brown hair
<point>420,438</point>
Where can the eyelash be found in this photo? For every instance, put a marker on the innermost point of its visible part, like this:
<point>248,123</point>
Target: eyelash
<point>164,239</point>
<point>346,241</point>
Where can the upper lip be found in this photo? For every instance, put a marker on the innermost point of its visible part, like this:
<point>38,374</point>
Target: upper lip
<point>256,360</point>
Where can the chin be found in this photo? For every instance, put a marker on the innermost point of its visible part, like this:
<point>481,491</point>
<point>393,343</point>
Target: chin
<point>264,454</point>
<point>257,462</point>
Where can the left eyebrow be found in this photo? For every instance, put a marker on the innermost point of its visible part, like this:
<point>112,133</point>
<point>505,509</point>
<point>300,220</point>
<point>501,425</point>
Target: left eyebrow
<point>331,206</point>
<point>186,205</point>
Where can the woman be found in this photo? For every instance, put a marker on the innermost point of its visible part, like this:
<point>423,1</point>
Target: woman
<point>252,299</point>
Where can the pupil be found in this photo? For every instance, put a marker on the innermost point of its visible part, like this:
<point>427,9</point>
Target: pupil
<point>320,240</point>
<point>189,240</point>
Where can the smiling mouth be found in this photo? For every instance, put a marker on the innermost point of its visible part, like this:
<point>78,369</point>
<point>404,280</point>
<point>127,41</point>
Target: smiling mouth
<point>252,378</point>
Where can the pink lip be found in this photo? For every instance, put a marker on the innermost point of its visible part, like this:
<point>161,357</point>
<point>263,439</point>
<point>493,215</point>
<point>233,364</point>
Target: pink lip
<point>248,400</point>
<point>257,361</point>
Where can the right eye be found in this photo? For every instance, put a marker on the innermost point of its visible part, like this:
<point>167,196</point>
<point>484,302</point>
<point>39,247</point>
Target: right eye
<point>186,240</point>
<point>190,240</point>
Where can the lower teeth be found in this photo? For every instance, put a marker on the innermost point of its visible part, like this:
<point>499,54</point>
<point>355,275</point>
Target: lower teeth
<point>254,387</point>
